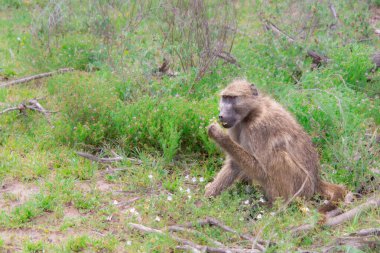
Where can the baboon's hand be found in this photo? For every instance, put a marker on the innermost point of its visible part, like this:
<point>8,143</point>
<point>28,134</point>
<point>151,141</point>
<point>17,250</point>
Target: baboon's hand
<point>215,131</point>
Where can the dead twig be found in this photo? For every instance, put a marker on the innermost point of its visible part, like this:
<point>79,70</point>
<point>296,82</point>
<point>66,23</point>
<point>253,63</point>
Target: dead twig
<point>191,245</point>
<point>116,158</point>
<point>128,202</point>
<point>227,57</point>
<point>192,231</point>
<point>354,242</point>
<point>373,202</point>
<point>214,222</point>
<point>333,11</point>
<point>318,59</point>
<point>32,105</point>
<point>100,159</point>
<point>366,232</point>
<point>269,26</point>
<point>35,77</point>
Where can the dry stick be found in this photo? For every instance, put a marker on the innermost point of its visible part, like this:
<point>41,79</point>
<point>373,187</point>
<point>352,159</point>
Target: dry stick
<point>201,248</point>
<point>188,248</point>
<point>227,57</point>
<point>270,26</point>
<point>371,203</point>
<point>333,11</point>
<point>366,232</point>
<point>214,222</point>
<point>117,158</point>
<point>100,160</point>
<point>33,105</point>
<point>355,242</point>
<point>317,59</point>
<point>31,78</point>
<point>192,231</point>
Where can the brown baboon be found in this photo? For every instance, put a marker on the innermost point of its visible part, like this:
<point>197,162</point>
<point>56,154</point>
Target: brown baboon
<point>265,145</point>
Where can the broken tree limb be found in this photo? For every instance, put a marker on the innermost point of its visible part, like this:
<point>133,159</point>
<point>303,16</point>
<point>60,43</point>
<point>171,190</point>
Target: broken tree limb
<point>210,221</point>
<point>318,59</point>
<point>190,244</point>
<point>32,105</point>
<point>373,202</point>
<point>34,77</point>
<point>227,57</point>
<point>175,228</point>
<point>371,242</point>
<point>269,26</point>
<point>100,159</point>
<point>366,232</point>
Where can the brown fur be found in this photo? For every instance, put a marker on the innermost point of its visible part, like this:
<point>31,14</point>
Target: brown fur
<point>268,147</point>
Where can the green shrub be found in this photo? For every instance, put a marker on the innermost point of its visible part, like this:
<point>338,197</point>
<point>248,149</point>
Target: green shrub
<point>93,115</point>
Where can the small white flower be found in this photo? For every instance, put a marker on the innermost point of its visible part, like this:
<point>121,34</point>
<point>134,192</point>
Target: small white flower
<point>18,38</point>
<point>132,210</point>
<point>259,216</point>
<point>201,179</point>
<point>115,202</point>
<point>194,179</point>
<point>246,202</point>
<point>305,209</point>
<point>170,198</point>
<point>262,200</point>
<point>189,196</point>
<point>187,177</point>
<point>150,176</point>
<point>188,190</point>
<point>157,219</point>
<point>180,189</point>
<point>129,243</point>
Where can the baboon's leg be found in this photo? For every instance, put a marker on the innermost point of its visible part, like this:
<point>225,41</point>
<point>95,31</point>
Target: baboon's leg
<point>224,179</point>
<point>246,161</point>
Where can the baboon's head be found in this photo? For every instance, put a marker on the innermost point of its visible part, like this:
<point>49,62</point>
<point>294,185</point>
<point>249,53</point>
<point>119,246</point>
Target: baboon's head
<point>237,100</point>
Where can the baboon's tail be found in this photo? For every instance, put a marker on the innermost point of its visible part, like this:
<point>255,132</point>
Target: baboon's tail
<point>332,192</point>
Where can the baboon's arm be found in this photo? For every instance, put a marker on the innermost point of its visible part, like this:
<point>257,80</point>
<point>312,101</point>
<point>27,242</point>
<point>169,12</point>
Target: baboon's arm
<point>246,161</point>
<point>224,179</point>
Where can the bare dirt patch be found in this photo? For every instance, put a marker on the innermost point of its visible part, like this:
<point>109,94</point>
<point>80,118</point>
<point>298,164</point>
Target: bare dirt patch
<point>71,212</point>
<point>15,193</point>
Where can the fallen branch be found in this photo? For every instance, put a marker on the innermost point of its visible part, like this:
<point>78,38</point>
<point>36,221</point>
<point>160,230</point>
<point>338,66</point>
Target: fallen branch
<point>32,105</point>
<point>191,245</point>
<point>214,222</point>
<point>192,231</point>
<point>318,59</point>
<point>373,202</point>
<point>371,242</point>
<point>279,33</point>
<point>227,57</point>
<point>366,232</point>
<point>117,158</point>
<point>100,159</point>
<point>35,77</point>
<point>333,11</point>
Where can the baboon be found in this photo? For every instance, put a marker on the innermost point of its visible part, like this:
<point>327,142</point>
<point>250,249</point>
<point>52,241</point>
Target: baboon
<point>266,146</point>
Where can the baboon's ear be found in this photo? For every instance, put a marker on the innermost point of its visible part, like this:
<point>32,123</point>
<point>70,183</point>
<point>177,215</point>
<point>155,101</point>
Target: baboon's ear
<point>255,92</point>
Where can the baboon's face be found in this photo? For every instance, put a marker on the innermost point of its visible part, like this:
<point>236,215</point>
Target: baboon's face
<point>228,113</point>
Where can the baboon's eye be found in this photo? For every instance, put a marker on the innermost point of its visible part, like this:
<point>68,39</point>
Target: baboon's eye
<point>228,98</point>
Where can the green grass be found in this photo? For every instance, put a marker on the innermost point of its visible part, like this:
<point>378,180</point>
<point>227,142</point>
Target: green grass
<point>114,103</point>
